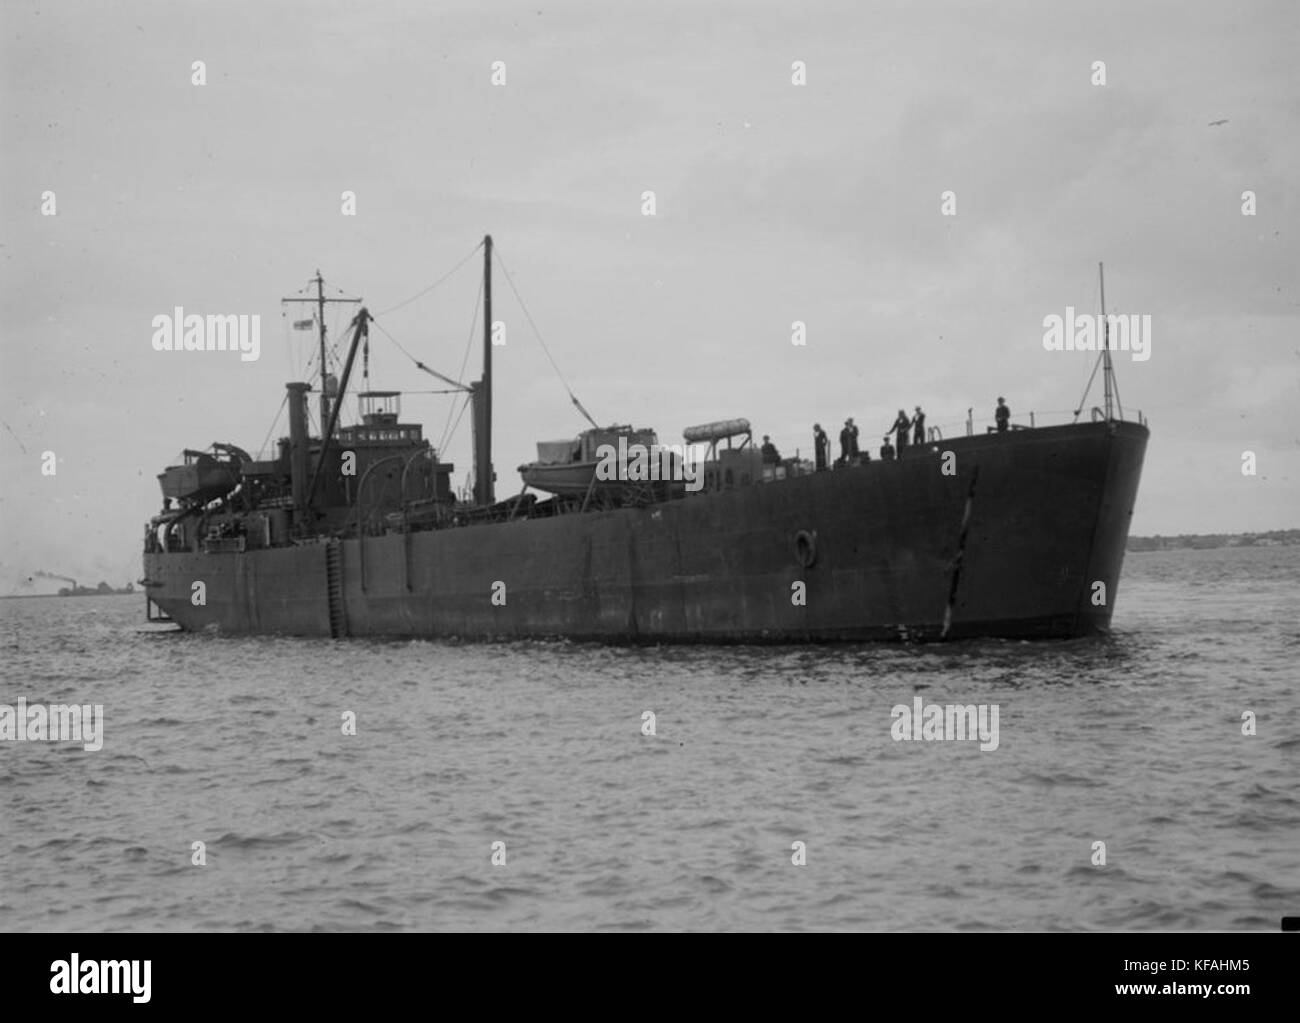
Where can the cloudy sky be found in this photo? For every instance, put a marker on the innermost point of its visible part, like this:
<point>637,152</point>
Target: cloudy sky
<point>774,203</point>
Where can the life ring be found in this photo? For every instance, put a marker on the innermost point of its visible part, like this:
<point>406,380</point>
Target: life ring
<point>805,548</point>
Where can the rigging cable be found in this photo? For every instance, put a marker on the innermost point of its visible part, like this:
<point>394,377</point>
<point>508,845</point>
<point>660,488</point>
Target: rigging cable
<point>528,316</point>
<point>418,363</point>
<point>1083,398</point>
<point>464,405</point>
<point>425,291</point>
<point>262,450</point>
<point>469,343</point>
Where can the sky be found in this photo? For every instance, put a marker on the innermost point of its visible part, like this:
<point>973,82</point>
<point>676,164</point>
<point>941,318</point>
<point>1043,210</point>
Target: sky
<point>774,202</point>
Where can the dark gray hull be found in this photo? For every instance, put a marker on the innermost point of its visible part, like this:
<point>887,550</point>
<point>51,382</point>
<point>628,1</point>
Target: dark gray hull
<point>1009,545</point>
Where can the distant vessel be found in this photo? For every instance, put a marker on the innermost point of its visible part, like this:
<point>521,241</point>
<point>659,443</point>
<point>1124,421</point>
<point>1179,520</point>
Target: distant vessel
<point>102,590</point>
<point>73,590</point>
<point>358,533</point>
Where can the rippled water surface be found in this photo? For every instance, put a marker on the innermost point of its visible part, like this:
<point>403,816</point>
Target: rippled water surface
<point>1135,741</point>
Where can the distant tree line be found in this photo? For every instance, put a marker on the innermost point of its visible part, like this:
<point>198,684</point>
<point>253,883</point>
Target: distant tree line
<point>1206,541</point>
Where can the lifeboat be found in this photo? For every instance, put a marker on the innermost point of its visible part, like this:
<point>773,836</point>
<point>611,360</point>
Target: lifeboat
<point>568,467</point>
<point>203,477</point>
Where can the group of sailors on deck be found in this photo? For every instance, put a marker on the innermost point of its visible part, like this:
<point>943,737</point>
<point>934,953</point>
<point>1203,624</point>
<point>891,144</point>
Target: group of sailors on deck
<point>851,453</point>
<point>895,442</point>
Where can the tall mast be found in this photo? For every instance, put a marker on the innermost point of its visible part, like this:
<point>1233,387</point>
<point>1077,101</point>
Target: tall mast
<point>320,318</point>
<point>1108,371</point>
<point>484,489</point>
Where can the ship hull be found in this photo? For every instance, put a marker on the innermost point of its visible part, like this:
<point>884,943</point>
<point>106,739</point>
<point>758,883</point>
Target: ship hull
<point>1022,537</point>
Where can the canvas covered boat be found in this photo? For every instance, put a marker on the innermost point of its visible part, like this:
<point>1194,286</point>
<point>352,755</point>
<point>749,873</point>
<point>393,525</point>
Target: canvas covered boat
<point>568,467</point>
<point>203,477</point>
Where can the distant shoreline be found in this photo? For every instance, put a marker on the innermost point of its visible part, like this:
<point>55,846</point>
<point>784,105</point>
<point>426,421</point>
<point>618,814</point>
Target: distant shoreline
<point>112,593</point>
<point>1212,541</point>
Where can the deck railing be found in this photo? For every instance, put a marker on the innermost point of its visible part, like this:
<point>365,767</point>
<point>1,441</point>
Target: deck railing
<point>970,426</point>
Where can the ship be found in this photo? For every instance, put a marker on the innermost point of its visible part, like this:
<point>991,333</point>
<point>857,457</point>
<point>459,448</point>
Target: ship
<point>1016,531</point>
<point>75,589</point>
<point>102,590</point>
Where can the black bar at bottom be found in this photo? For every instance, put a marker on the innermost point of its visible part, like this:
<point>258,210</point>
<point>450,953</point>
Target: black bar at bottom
<point>369,972</point>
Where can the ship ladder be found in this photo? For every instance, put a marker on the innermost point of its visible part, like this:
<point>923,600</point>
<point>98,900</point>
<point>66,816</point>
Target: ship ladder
<point>334,583</point>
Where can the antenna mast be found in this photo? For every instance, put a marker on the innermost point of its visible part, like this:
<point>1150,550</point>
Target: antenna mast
<point>1108,371</point>
<point>320,301</point>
